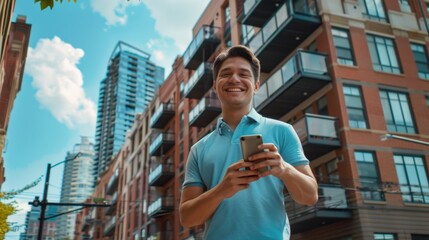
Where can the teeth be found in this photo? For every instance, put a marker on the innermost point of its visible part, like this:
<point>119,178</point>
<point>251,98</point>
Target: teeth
<point>233,90</point>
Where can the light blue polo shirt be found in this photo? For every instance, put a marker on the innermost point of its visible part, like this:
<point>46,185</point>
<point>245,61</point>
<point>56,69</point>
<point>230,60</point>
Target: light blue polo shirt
<point>254,213</point>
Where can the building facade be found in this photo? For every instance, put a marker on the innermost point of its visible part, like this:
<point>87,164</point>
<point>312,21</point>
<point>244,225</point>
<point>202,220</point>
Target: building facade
<point>14,44</point>
<point>345,74</point>
<point>129,86</point>
<point>32,224</point>
<point>77,185</point>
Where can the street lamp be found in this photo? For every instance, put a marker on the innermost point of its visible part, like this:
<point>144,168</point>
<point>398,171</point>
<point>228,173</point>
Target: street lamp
<point>388,135</point>
<point>44,201</point>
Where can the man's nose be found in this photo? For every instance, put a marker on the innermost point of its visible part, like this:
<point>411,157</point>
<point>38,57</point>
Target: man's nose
<point>235,77</point>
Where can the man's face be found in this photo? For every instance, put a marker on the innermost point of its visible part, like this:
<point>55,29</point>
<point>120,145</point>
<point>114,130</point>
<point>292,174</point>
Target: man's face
<point>235,84</point>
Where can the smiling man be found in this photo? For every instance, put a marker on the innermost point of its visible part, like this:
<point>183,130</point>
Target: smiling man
<point>232,197</point>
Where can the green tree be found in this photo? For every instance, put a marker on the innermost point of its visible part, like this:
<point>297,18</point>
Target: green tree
<point>49,3</point>
<point>8,206</point>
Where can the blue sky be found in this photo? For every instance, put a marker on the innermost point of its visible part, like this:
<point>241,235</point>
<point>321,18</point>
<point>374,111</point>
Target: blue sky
<point>68,55</point>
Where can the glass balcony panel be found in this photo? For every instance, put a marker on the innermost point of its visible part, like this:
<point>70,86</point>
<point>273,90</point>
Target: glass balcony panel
<point>256,42</point>
<point>308,7</point>
<point>312,63</point>
<point>248,4</point>
<point>321,127</point>
<point>261,95</point>
<point>274,83</point>
<point>269,29</point>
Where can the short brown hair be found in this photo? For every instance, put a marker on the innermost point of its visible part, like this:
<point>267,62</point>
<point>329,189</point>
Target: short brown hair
<point>237,51</point>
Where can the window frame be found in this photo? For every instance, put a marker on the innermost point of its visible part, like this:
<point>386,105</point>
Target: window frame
<point>385,58</point>
<point>402,160</point>
<point>362,109</point>
<point>377,4</point>
<point>414,48</point>
<point>371,195</point>
<point>342,60</point>
<point>393,121</point>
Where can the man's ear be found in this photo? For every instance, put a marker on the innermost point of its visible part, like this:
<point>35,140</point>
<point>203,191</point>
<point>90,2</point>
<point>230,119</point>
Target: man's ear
<point>256,86</point>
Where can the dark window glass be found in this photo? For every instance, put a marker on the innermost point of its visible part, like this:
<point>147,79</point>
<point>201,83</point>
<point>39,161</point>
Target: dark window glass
<point>373,9</point>
<point>420,56</point>
<point>343,47</point>
<point>383,54</point>
<point>412,177</point>
<point>384,236</point>
<point>368,176</point>
<point>397,112</point>
<point>355,108</point>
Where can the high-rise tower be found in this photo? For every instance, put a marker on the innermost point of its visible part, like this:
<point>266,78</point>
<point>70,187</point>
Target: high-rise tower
<point>129,86</point>
<point>77,186</point>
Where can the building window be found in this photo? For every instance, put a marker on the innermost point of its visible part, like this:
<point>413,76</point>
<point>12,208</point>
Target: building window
<point>427,101</point>
<point>419,237</point>
<point>373,9</point>
<point>355,109</point>
<point>412,178</point>
<point>322,106</point>
<point>405,6</point>
<point>368,176</point>
<point>420,56</point>
<point>343,47</point>
<point>397,112</point>
<point>332,171</point>
<point>384,236</point>
<point>383,54</point>
<point>247,32</point>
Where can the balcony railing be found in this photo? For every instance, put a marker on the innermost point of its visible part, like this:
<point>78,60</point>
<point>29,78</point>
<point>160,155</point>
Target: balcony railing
<point>205,111</point>
<point>112,185</point>
<point>161,206</point>
<point>109,228</point>
<point>161,144</point>
<point>330,208</point>
<point>257,12</point>
<point>200,82</point>
<point>299,78</point>
<point>163,114</point>
<point>290,25</point>
<point>113,201</point>
<point>161,174</point>
<point>202,46</point>
<point>318,134</point>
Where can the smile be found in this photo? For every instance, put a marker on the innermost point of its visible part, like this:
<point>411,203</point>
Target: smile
<point>234,90</point>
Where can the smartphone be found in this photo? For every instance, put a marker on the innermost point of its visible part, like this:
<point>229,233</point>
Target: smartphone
<point>249,145</point>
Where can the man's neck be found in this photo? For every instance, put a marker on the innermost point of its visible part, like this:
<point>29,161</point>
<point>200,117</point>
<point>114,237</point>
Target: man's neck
<point>233,116</point>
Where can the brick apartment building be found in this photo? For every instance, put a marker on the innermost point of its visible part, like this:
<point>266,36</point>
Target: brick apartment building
<point>344,73</point>
<point>14,41</point>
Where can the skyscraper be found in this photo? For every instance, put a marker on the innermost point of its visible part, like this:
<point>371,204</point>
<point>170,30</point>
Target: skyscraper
<point>129,86</point>
<point>77,186</point>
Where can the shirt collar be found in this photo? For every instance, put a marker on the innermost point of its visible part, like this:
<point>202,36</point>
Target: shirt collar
<point>253,116</point>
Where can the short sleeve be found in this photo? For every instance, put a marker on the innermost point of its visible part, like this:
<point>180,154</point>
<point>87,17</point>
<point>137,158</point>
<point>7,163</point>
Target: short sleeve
<point>292,151</point>
<point>193,174</point>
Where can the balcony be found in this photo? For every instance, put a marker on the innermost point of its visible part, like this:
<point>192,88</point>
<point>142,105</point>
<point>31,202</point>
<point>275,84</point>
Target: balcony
<point>111,210</point>
<point>161,206</point>
<point>161,144</point>
<point>318,134</point>
<point>299,78</point>
<point>290,25</point>
<point>205,111</point>
<point>331,207</point>
<point>88,222</point>
<point>161,174</point>
<point>112,185</point>
<point>163,114</point>
<point>109,227</point>
<point>200,82</point>
<point>257,12</point>
<point>161,235</point>
<point>202,46</point>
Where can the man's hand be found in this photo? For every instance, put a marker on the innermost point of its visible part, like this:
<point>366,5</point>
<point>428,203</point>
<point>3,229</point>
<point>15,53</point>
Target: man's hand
<point>271,160</point>
<point>236,180</point>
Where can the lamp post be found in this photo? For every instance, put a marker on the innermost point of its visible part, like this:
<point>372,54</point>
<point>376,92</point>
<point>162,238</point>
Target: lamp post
<point>44,202</point>
<point>388,135</point>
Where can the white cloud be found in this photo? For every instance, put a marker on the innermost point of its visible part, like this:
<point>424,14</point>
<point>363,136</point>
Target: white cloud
<point>175,19</point>
<point>58,81</point>
<point>114,11</point>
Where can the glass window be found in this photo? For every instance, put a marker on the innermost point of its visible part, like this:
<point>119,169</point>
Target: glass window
<point>343,47</point>
<point>383,54</point>
<point>373,9</point>
<point>368,176</point>
<point>397,112</point>
<point>355,108</point>
<point>427,101</point>
<point>247,33</point>
<point>412,177</point>
<point>384,236</point>
<point>405,6</point>
<point>420,56</point>
<point>332,171</point>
